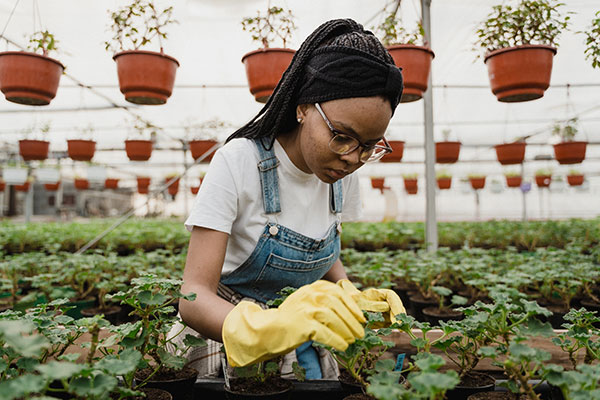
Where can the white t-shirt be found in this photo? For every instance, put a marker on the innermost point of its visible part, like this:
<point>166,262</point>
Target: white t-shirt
<point>230,200</point>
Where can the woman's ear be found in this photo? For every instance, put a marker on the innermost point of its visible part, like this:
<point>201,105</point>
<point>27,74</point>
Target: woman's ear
<point>301,112</point>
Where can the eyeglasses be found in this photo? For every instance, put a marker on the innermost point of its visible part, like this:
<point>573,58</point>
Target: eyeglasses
<point>342,143</point>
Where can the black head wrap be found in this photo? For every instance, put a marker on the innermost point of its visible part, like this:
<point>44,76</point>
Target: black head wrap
<point>338,72</point>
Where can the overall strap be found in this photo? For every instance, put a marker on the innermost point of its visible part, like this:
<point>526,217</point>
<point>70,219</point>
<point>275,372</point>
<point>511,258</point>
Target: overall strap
<point>336,197</point>
<point>267,170</point>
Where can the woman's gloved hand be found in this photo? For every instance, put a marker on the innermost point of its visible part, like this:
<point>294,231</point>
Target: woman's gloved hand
<point>385,301</point>
<point>321,311</point>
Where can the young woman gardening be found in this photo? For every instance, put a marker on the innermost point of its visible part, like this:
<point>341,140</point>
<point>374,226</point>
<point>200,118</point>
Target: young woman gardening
<point>269,211</point>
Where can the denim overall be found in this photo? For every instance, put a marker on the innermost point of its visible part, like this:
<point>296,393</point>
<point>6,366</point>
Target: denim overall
<point>283,257</point>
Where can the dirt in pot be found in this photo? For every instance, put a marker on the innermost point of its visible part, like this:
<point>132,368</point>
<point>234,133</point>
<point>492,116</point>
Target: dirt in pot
<point>166,374</point>
<point>496,396</point>
<point>359,396</point>
<point>252,386</point>
<point>476,379</point>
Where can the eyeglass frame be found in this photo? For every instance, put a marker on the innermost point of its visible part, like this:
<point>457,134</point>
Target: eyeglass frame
<point>335,132</point>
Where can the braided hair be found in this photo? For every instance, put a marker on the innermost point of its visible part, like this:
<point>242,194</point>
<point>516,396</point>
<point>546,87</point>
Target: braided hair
<point>279,113</point>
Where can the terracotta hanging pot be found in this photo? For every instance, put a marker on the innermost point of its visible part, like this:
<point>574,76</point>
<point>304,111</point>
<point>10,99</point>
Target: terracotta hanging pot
<point>514,181</point>
<point>2,186</point>
<point>81,184</point>
<point>146,77</point>
<point>264,69</point>
<point>543,180</point>
<point>22,188</point>
<point>194,189</point>
<point>447,152</point>
<point>477,183</point>
<point>520,73</point>
<point>411,185</point>
<point>415,62</point>
<point>29,78</point>
<point>143,182</point>
<point>33,149</point>
<point>397,151</point>
<point>199,147</point>
<point>570,152</point>
<point>81,150</point>
<point>444,183</point>
<point>111,183</point>
<point>138,150</point>
<point>377,183</point>
<point>575,180</point>
<point>510,153</point>
<point>173,187</point>
<point>52,187</point>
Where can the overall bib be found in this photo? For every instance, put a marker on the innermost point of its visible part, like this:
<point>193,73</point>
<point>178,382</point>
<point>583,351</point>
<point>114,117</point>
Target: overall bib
<point>282,257</point>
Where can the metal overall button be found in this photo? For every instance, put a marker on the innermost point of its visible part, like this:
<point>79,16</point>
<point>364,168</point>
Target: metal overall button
<point>273,230</point>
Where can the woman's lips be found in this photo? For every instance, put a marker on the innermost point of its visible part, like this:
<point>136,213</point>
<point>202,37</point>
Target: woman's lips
<point>337,173</point>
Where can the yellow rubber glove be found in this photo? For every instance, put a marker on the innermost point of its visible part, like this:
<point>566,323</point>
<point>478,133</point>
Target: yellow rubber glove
<point>385,301</point>
<point>321,311</point>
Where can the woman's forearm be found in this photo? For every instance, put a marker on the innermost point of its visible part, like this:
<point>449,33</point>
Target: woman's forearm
<point>206,314</point>
<point>336,272</point>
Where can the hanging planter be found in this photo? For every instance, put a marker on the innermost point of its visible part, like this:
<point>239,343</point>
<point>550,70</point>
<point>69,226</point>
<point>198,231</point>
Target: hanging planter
<point>447,152</point>
<point>138,150</point>
<point>477,182</point>
<point>146,77</point>
<point>199,147</point>
<point>575,179</point>
<point>513,181</point>
<point>415,62</point>
<point>111,183</point>
<point>570,152</point>
<point>29,78</point>
<point>81,150</point>
<point>510,153</point>
<point>543,180</point>
<point>444,183</point>
<point>194,189</point>
<point>377,182</point>
<point>2,186</point>
<point>174,186</point>
<point>411,185</point>
<point>81,184</point>
<point>22,188</point>
<point>397,151</point>
<point>52,187</point>
<point>264,69</point>
<point>143,183</point>
<point>33,149</point>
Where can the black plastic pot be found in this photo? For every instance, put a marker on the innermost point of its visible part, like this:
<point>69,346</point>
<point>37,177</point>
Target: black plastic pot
<point>284,394</point>
<point>417,304</point>
<point>434,316</point>
<point>461,392</point>
<point>349,385</point>
<point>111,314</point>
<point>180,388</point>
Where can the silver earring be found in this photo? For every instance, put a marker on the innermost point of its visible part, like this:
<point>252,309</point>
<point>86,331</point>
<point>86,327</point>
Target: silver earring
<point>299,120</point>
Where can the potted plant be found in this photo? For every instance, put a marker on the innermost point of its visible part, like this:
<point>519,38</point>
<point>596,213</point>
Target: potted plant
<point>443,311</point>
<point>140,148</point>
<point>143,182</point>
<point>206,139</point>
<point>35,149</point>
<point>145,77</point>
<point>111,183</point>
<point>30,78</point>
<point>568,151</point>
<point>446,151</point>
<point>477,181</point>
<point>519,41</point>
<point>81,183</point>
<point>377,182</point>
<point>172,180</point>
<point>259,380</point>
<point>265,66</point>
<point>195,189</point>
<point>444,179</point>
<point>543,177</point>
<point>397,151</point>
<point>411,183</point>
<point>24,187</point>
<point>2,185</point>
<point>513,179</point>
<point>409,51</point>
<point>575,178</point>
<point>82,149</point>
<point>511,153</point>
<point>592,42</point>
<point>52,187</point>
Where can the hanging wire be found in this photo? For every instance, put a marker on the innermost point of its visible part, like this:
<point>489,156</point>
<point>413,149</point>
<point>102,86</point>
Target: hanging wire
<point>9,18</point>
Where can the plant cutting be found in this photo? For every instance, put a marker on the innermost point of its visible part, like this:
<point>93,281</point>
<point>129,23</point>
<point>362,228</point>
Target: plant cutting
<point>35,149</point>
<point>513,179</point>
<point>568,151</point>
<point>140,149</point>
<point>443,311</point>
<point>397,152</point>
<point>409,51</point>
<point>411,183</point>
<point>444,179</point>
<point>511,153</point>
<point>579,336</point>
<point>446,151</point>
<point>477,181</point>
<point>543,177</point>
<point>82,149</point>
<point>29,78</point>
<point>519,39</point>
<point>265,66</point>
<point>592,41</point>
<point>575,178</point>
<point>145,77</point>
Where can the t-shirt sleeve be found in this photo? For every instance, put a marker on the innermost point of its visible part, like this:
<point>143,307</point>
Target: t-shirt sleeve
<point>216,203</point>
<point>352,205</point>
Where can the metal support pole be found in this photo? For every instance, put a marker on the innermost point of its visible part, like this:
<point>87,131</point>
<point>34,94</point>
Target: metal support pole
<point>477,210</point>
<point>186,181</point>
<point>29,198</point>
<point>431,235</point>
<point>523,194</point>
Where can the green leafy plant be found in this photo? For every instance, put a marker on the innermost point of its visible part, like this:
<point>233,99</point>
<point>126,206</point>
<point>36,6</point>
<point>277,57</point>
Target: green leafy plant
<point>517,23</point>
<point>574,172</point>
<point>512,174</point>
<point>476,176</point>
<point>137,24</point>
<point>592,42</point>
<point>566,130</point>
<point>580,336</point>
<point>277,23</point>
<point>443,173</point>
<point>43,41</point>
<point>543,172</point>
<point>583,383</point>
<point>391,29</point>
<point>411,175</point>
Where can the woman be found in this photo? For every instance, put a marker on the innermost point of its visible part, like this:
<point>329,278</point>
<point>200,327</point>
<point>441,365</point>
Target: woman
<point>269,212</point>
